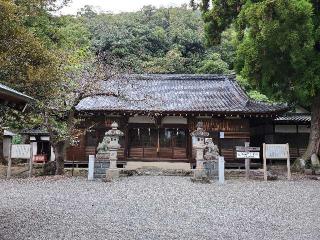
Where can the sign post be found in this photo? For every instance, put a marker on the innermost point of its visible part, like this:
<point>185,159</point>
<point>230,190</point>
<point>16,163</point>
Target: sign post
<point>247,161</point>
<point>9,162</point>
<point>276,151</point>
<point>31,160</point>
<point>247,153</point>
<point>265,176</point>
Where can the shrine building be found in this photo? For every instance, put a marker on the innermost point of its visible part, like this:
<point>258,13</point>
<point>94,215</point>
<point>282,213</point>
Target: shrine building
<point>157,113</point>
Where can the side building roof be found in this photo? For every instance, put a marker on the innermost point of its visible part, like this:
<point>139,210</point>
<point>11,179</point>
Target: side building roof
<point>13,97</point>
<point>179,93</point>
<point>303,118</point>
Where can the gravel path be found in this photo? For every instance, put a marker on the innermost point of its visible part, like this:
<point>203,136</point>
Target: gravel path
<point>158,208</point>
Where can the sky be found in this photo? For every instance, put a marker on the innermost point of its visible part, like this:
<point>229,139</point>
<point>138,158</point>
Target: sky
<point>117,6</point>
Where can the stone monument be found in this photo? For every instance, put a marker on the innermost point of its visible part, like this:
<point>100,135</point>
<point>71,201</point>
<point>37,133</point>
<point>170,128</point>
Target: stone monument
<point>108,149</point>
<point>211,159</point>
<point>199,174</point>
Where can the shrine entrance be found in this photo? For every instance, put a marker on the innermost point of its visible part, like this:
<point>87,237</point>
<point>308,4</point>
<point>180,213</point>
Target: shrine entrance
<point>152,143</point>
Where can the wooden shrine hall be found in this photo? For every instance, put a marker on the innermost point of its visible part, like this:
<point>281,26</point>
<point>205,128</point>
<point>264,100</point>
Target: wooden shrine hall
<point>157,112</point>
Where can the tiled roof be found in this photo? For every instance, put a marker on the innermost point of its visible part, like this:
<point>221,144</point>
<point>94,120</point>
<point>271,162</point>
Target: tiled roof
<point>11,92</point>
<point>8,133</point>
<point>175,93</point>
<point>35,132</point>
<point>294,117</point>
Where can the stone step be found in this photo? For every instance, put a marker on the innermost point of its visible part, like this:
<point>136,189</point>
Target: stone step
<point>99,176</point>
<point>102,164</point>
<point>99,171</point>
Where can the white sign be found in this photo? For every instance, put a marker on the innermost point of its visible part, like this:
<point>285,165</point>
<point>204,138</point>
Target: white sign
<point>21,151</point>
<point>277,151</point>
<point>221,134</point>
<point>249,155</point>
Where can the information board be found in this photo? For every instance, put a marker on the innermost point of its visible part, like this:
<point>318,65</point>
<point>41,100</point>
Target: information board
<point>277,151</point>
<point>20,151</point>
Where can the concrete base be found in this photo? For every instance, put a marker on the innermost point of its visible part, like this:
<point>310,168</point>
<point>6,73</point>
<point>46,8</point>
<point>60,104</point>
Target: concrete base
<point>112,174</point>
<point>162,165</point>
<point>200,175</point>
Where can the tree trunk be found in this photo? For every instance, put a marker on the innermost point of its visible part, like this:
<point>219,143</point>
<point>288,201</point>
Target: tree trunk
<point>314,139</point>
<point>59,151</point>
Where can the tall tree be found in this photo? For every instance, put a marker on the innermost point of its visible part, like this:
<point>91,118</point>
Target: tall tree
<point>278,49</point>
<point>40,54</point>
<point>24,60</point>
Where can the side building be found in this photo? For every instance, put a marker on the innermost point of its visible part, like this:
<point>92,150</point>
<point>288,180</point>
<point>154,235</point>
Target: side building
<point>13,99</point>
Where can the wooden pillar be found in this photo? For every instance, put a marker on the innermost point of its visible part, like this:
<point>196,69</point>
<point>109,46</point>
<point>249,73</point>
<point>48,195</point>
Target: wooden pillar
<point>247,160</point>
<point>31,160</point>
<point>126,138</point>
<point>9,162</point>
<point>296,143</point>
<point>189,140</point>
<point>157,121</point>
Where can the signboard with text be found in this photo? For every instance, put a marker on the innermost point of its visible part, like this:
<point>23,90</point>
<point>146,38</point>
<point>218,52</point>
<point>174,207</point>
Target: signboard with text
<point>250,155</point>
<point>20,151</point>
<point>277,151</point>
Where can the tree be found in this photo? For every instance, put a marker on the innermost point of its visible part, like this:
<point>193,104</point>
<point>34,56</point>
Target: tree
<point>24,61</point>
<point>278,49</point>
<point>215,65</point>
<point>59,111</point>
<point>38,52</point>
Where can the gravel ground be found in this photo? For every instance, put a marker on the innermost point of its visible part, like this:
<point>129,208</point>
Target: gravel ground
<point>158,208</point>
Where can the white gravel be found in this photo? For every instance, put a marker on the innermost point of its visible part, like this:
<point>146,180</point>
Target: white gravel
<point>158,208</point>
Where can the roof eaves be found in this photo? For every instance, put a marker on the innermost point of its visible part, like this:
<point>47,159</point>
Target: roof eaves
<point>14,93</point>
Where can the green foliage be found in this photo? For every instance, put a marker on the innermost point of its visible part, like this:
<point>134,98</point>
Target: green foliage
<point>215,65</point>
<point>252,93</point>
<point>165,40</point>
<point>278,44</point>
<point>38,54</point>
<point>24,60</point>
<point>17,139</point>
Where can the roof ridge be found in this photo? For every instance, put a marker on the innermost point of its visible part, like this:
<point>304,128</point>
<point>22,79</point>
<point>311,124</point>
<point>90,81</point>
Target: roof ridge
<point>181,77</point>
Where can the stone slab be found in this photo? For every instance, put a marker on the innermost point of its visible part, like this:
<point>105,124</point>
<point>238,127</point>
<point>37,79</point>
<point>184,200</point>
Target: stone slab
<point>315,160</point>
<point>163,165</point>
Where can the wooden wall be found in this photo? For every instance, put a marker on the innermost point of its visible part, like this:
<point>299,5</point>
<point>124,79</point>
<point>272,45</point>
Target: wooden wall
<point>236,132</point>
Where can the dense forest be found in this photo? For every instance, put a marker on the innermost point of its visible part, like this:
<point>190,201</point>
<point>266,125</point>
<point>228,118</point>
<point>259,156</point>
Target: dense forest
<point>165,40</point>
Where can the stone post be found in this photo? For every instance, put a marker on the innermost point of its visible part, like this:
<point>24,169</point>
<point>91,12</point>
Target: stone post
<point>221,170</point>
<point>91,167</point>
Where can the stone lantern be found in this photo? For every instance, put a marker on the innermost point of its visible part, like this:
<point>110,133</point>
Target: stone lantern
<point>199,145</point>
<point>113,146</point>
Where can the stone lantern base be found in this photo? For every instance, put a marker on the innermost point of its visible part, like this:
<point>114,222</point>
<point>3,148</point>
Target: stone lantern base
<point>112,174</point>
<point>200,175</point>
